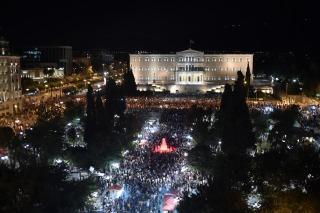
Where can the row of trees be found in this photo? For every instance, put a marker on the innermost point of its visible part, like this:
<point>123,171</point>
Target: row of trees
<point>281,178</point>
<point>107,128</point>
<point>32,181</point>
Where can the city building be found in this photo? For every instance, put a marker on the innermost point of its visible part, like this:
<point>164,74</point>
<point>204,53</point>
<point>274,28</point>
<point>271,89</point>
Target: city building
<point>10,79</point>
<point>4,46</point>
<point>99,59</point>
<point>38,74</point>
<point>55,57</point>
<point>188,71</point>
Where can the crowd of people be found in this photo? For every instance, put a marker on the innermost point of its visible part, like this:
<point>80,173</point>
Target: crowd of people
<point>171,102</point>
<point>146,176</point>
<point>27,116</point>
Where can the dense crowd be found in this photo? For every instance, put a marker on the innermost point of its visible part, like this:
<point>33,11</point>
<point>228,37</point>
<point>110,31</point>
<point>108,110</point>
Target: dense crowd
<point>146,176</point>
<point>27,116</point>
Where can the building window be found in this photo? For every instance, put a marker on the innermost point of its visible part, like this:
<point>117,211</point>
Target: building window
<point>152,59</point>
<point>240,59</point>
<point>227,59</point>
<point>220,59</point>
<point>134,59</point>
<point>139,59</point>
<point>208,59</point>
<point>234,60</point>
<point>214,59</point>
<point>172,59</point>
<point>248,60</point>
<point>198,78</point>
<point>189,78</point>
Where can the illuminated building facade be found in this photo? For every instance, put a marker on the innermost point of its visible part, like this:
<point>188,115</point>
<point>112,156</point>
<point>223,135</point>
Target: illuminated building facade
<point>54,57</point>
<point>188,71</point>
<point>10,79</point>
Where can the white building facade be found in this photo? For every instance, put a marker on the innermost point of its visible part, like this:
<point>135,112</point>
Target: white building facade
<point>10,79</point>
<point>188,71</point>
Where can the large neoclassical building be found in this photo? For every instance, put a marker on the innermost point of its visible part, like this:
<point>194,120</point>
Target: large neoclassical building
<point>188,70</point>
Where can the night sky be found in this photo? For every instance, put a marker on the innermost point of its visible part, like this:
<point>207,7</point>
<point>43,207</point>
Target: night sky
<point>163,25</point>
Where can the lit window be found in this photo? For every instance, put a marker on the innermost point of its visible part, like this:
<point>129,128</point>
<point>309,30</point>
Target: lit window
<point>172,59</point>
<point>152,59</point>
<point>208,59</point>
<point>214,59</point>
<point>220,59</point>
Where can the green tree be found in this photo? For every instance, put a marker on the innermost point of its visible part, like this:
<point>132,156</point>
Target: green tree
<point>6,136</point>
<point>42,189</point>
<point>129,84</point>
<point>90,122</point>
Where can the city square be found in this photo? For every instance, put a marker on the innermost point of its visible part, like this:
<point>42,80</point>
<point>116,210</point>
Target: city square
<point>159,107</point>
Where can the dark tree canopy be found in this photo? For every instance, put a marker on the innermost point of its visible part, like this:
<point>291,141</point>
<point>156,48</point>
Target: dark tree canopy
<point>129,84</point>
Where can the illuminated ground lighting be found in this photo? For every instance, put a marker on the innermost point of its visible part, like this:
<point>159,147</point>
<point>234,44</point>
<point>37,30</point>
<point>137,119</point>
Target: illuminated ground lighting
<point>115,191</point>
<point>170,202</point>
<point>164,147</point>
